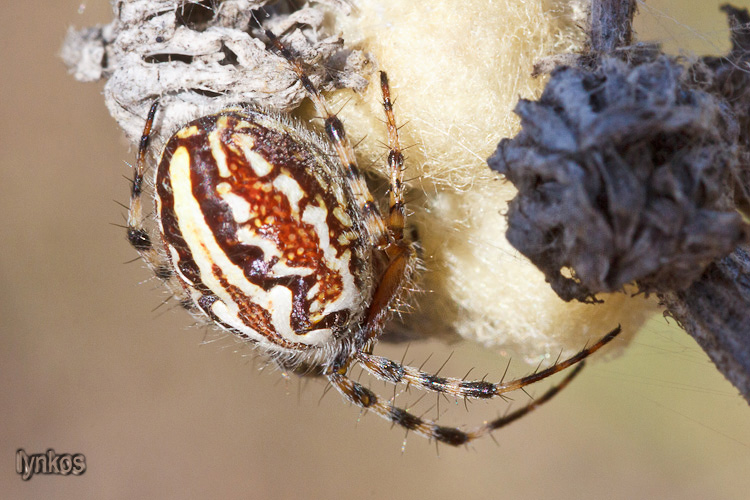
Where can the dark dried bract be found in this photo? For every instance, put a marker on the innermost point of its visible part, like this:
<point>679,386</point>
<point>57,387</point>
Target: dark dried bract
<point>621,171</point>
<point>728,77</point>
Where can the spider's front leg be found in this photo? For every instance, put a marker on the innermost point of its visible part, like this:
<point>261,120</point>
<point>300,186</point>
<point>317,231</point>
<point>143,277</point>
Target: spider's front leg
<point>388,237</point>
<point>396,211</point>
<point>137,234</point>
<point>401,253</point>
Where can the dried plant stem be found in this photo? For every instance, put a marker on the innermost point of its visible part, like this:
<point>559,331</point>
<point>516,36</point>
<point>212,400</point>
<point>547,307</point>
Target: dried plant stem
<point>633,168</point>
<point>715,309</point>
<point>611,24</point>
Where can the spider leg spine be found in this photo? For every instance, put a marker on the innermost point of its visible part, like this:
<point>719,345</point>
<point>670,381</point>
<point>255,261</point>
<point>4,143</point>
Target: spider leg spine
<point>365,398</point>
<point>391,371</point>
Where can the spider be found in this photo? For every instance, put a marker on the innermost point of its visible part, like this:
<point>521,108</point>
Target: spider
<point>270,232</point>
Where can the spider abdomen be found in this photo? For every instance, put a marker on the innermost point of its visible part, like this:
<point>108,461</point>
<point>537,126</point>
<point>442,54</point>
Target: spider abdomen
<point>262,231</point>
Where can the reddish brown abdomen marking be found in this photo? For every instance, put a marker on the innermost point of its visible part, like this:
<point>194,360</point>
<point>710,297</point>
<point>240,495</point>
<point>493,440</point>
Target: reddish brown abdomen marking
<point>260,226</point>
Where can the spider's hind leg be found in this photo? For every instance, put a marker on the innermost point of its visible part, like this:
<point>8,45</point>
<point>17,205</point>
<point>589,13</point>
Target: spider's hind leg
<point>366,399</point>
<point>393,372</point>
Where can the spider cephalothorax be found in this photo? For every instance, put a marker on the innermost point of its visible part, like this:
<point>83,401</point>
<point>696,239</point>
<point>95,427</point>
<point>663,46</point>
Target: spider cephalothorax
<point>271,233</point>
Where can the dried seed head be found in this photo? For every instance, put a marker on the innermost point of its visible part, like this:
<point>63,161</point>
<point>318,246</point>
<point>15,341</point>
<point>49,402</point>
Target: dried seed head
<point>622,174</point>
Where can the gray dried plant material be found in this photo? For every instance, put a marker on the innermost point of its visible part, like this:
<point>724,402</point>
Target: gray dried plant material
<point>728,77</point>
<point>715,311</point>
<point>623,172</point>
<point>198,57</point>
<point>639,171</point>
<point>612,25</point>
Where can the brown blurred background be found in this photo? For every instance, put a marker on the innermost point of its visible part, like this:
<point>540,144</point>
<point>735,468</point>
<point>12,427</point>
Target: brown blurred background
<point>87,367</point>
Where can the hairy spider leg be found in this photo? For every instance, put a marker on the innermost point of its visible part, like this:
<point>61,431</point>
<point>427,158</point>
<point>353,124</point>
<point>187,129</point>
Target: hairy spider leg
<point>383,236</point>
<point>395,373</point>
<point>359,395</point>
<point>335,132</point>
<point>135,215</point>
<point>396,211</point>
<point>137,234</point>
<point>390,371</point>
<point>401,253</point>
